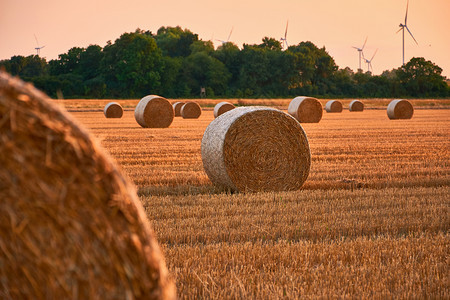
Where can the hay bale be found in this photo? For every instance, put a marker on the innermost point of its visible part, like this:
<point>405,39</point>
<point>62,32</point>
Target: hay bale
<point>333,106</point>
<point>356,105</point>
<point>177,108</point>
<point>190,110</point>
<point>306,109</point>
<point>256,149</point>
<point>113,110</point>
<point>71,225</point>
<point>154,112</point>
<point>222,108</point>
<point>400,109</point>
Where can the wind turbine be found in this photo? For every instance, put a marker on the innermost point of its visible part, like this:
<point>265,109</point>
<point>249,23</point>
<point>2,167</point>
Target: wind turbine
<point>38,49</point>
<point>228,39</point>
<point>402,27</point>
<point>369,62</point>
<point>360,50</point>
<point>284,40</point>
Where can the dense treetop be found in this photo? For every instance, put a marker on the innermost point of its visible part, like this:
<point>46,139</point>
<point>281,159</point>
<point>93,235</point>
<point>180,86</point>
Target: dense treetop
<point>175,63</point>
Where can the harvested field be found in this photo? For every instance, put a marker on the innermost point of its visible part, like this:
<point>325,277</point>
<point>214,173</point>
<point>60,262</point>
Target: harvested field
<point>372,219</point>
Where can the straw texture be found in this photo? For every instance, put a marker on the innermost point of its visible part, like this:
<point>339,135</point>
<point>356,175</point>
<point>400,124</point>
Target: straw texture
<point>71,226</point>
<point>154,112</point>
<point>356,105</point>
<point>222,108</point>
<point>400,109</point>
<point>333,106</point>
<point>306,109</point>
<point>177,108</point>
<point>256,149</point>
<point>190,110</point>
<point>113,110</point>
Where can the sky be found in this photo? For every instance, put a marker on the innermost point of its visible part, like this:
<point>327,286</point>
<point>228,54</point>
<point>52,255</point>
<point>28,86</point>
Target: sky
<point>336,25</point>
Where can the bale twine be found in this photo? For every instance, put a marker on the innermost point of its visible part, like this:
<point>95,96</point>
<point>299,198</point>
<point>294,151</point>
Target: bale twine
<point>177,108</point>
<point>71,225</point>
<point>356,105</point>
<point>154,112</point>
<point>113,110</point>
<point>222,108</point>
<point>191,110</point>
<point>306,109</point>
<point>333,106</point>
<point>400,109</point>
<point>256,149</point>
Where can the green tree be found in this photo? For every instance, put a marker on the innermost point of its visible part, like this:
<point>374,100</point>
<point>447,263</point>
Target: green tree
<point>174,41</point>
<point>422,78</point>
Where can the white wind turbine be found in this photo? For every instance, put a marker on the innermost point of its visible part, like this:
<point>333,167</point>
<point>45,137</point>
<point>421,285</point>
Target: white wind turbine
<point>228,39</point>
<point>38,49</point>
<point>284,40</point>
<point>360,50</point>
<point>369,62</point>
<point>402,27</point>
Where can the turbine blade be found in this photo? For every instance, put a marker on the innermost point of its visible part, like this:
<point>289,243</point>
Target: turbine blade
<point>285,33</point>
<point>355,48</point>
<point>411,35</point>
<point>406,16</point>
<point>230,34</point>
<point>399,29</point>
<point>373,56</point>
<point>364,43</point>
<point>36,40</point>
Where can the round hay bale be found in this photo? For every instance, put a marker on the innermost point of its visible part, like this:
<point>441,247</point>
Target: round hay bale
<point>256,149</point>
<point>333,106</point>
<point>306,109</point>
<point>113,110</point>
<point>400,109</point>
<point>154,112</point>
<point>222,108</point>
<point>190,110</point>
<point>356,105</point>
<point>177,108</point>
<point>71,225</point>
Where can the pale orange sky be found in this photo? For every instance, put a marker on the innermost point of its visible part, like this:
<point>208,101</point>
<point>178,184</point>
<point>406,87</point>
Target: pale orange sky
<point>336,24</point>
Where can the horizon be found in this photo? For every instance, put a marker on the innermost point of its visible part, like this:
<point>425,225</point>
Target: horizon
<point>332,25</point>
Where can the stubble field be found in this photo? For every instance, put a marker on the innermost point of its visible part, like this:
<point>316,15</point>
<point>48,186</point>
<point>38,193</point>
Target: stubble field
<point>372,220</point>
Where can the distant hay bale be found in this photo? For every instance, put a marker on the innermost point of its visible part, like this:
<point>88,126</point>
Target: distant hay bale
<point>400,109</point>
<point>154,112</point>
<point>177,108</point>
<point>190,110</point>
<point>222,108</point>
<point>256,149</point>
<point>71,225</point>
<point>306,109</point>
<point>356,105</point>
<point>333,106</point>
<point>113,110</point>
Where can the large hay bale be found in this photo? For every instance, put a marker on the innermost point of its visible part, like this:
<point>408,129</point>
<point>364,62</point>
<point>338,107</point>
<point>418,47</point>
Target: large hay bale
<point>191,110</point>
<point>71,225</point>
<point>256,149</point>
<point>177,108</point>
<point>306,109</point>
<point>356,105</point>
<point>154,112</point>
<point>400,109</point>
<point>333,106</point>
<point>113,110</point>
<point>222,108</point>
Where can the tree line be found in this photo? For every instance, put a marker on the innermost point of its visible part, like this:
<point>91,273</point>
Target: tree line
<point>175,63</point>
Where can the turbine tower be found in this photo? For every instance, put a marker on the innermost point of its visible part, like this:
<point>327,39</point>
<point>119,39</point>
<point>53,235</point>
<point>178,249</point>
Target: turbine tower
<point>360,50</point>
<point>369,62</point>
<point>402,27</point>
<point>38,49</point>
<point>284,40</point>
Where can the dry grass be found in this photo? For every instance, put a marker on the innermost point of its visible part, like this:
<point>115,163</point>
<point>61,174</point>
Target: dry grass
<point>372,220</point>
